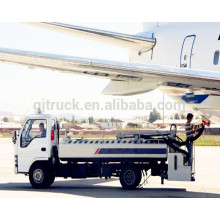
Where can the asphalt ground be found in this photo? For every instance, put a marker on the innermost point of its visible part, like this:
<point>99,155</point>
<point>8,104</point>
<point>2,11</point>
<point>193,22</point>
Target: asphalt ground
<point>207,184</point>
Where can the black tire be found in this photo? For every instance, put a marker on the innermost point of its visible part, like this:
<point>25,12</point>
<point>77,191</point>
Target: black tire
<point>51,179</point>
<point>130,177</point>
<point>39,177</point>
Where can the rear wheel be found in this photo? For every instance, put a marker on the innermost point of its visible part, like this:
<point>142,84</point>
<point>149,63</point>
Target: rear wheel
<point>130,177</point>
<point>39,177</point>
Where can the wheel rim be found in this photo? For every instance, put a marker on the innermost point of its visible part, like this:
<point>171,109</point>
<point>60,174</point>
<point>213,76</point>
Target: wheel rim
<point>129,177</point>
<point>38,175</point>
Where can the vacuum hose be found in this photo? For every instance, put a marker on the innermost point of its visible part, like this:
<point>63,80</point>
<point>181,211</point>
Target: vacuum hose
<point>172,142</point>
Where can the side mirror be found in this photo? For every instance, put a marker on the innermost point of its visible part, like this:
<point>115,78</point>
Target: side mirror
<point>14,138</point>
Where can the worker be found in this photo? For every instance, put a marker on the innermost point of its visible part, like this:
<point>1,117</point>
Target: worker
<point>190,130</point>
<point>42,130</point>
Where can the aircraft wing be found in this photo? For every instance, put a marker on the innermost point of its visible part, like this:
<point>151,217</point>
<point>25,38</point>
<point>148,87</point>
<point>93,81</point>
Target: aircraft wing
<point>139,43</point>
<point>126,78</point>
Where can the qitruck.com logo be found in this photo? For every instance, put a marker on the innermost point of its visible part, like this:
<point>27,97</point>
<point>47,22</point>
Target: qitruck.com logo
<point>113,105</point>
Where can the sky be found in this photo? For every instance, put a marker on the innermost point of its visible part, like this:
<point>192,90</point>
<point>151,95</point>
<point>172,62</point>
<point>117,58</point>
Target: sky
<point>23,89</point>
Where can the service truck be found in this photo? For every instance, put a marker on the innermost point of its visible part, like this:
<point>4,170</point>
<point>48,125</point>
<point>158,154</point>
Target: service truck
<point>40,154</point>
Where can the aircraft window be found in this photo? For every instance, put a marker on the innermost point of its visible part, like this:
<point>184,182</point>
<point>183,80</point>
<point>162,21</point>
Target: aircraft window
<point>216,57</point>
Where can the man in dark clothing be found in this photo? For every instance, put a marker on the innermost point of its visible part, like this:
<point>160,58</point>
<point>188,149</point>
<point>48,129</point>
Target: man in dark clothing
<point>189,126</point>
<point>42,130</point>
<point>190,130</point>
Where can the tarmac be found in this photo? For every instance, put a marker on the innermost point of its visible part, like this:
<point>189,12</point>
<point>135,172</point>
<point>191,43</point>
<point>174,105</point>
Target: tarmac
<point>207,184</point>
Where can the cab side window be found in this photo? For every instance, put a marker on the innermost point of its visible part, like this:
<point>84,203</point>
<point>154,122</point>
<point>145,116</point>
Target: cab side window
<point>216,57</point>
<point>34,128</point>
<point>38,128</point>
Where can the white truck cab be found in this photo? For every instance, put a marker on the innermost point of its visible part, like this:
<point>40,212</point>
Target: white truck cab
<point>39,154</point>
<point>34,144</point>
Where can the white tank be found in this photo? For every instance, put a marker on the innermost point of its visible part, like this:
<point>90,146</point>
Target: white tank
<point>113,149</point>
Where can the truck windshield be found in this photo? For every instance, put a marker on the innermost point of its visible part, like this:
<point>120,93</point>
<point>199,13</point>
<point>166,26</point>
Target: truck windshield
<point>33,128</point>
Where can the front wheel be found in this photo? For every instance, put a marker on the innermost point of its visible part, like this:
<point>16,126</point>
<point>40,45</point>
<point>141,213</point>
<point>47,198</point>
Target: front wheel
<point>51,179</point>
<point>39,177</point>
<point>130,177</point>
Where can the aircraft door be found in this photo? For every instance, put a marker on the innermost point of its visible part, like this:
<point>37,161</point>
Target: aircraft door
<point>187,51</point>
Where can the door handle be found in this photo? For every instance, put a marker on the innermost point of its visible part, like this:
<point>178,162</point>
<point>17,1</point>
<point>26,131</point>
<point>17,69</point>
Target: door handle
<point>43,149</point>
<point>175,162</point>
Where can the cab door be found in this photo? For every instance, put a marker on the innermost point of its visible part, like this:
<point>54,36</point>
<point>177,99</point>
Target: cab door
<point>187,51</point>
<point>34,143</point>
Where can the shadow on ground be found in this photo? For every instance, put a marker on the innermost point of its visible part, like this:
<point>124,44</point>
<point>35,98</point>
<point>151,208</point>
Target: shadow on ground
<point>89,188</point>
